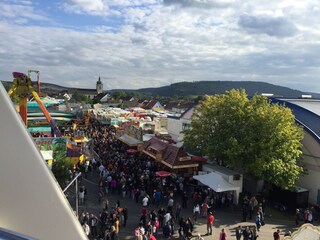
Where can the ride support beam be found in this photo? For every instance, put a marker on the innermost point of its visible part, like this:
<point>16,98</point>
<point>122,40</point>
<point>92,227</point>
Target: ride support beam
<point>23,110</point>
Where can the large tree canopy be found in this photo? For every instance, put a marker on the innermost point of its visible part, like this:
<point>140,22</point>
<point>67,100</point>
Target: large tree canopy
<point>250,134</point>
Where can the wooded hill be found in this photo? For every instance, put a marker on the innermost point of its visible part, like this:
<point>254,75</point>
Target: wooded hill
<point>217,87</point>
<point>186,89</point>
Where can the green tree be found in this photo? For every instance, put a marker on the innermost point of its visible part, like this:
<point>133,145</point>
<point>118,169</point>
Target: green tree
<point>59,149</point>
<point>81,98</point>
<point>251,134</point>
<point>119,94</point>
<point>60,169</point>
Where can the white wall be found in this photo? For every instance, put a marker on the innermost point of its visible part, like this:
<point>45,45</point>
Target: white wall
<point>175,125</point>
<point>174,128</point>
<point>157,105</point>
<point>311,160</point>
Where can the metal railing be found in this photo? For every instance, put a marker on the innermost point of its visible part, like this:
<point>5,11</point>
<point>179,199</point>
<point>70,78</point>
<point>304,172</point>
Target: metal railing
<point>66,188</point>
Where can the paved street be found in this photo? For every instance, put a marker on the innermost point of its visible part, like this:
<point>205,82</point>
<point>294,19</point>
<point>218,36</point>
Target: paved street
<point>224,218</point>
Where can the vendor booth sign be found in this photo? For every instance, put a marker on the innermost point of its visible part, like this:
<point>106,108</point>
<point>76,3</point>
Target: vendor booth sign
<point>55,147</point>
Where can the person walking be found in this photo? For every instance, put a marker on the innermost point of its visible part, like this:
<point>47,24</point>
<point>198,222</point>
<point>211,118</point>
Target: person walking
<point>204,209</point>
<point>238,232</point>
<point>167,217</point>
<point>253,203</point>
<point>297,217</point>
<point>136,233</point>
<point>245,208</point>
<point>223,235</point>
<point>210,220</point>
<point>170,205</point>
<point>310,217</point>
<point>258,221</point>
<point>125,216</point>
<point>86,228</point>
<point>196,212</point>
<point>81,195</point>
<point>161,213</point>
<point>116,226</point>
<point>276,235</point>
<point>93,222</point>
<point>145,201</point>
<point>178,211</point>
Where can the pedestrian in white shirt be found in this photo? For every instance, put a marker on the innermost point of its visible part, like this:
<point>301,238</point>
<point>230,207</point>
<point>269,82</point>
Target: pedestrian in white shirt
<point>86,228</point>
<point>145,201</point>
<point>167,217</point>
<point>196,212</point>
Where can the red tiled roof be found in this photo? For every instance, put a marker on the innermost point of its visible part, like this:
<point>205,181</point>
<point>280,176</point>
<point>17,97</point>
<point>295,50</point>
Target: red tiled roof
<point>199,159</point>
<point>151,104</point>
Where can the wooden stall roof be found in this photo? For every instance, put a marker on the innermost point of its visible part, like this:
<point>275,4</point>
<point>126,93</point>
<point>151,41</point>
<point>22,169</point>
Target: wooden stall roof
<point>169,155</point>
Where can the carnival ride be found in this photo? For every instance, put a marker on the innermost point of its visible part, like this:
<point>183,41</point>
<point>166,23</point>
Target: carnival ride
<point>22,85</point>
<point>38,78</point>
<point>23,167</point>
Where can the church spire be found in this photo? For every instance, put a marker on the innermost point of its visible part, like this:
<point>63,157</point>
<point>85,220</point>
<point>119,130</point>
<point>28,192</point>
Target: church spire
<point>99,86</point>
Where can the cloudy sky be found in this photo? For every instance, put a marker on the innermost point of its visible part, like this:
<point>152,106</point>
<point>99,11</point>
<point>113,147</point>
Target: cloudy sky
<point>150,43</point>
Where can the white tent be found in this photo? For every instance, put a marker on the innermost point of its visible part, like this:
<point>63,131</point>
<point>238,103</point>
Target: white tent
<point>216,182</point>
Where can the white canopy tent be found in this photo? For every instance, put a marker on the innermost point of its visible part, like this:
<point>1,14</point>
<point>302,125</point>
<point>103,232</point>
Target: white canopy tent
<point>216,182</point>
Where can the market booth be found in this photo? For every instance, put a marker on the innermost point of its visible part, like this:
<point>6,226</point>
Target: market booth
<point>170,156</point>
<point>218,184</point>
<point>75,149</point>
<point>128,140</point>
<point>130,134</point>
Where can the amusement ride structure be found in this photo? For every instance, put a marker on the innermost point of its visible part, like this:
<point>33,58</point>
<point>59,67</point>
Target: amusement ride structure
<point>22,85</point>
<point>23,167</point>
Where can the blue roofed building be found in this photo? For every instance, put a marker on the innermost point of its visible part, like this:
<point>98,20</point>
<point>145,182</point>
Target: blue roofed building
<point>307,114</point>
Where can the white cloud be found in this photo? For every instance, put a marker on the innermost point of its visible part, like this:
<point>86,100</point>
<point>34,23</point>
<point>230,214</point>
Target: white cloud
<point>200,3</point>
<point>20,11</point>
<point>95,7</point>
<point>157,43</point>
<point>273,26</point>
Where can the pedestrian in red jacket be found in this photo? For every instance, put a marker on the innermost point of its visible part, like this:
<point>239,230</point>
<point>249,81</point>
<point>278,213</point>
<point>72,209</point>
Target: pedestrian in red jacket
<point>210,220</point>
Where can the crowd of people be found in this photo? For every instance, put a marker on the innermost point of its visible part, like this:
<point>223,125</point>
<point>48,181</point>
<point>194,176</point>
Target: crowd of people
<point>162,200</point>
<point>133,176</point>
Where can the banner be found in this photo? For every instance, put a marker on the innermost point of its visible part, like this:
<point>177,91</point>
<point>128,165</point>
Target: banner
<point>52,148</point>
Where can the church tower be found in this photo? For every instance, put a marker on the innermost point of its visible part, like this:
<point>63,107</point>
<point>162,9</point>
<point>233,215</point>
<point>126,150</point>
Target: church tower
<point>99,86</point>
